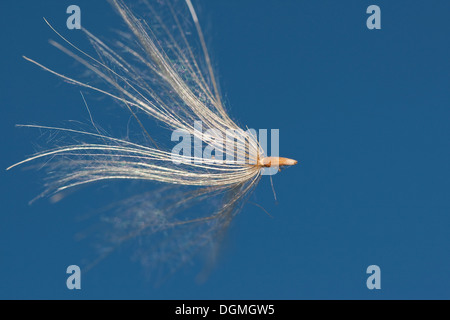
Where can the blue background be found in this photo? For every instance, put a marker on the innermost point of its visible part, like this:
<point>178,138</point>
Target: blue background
<point>366,113</point>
